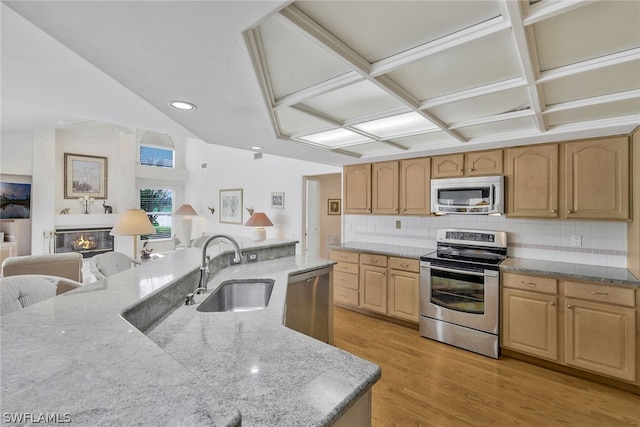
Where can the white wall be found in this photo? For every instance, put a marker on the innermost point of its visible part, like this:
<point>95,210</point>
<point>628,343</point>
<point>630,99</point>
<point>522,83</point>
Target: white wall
<point>233,168</point>
<point>16,152</point>
<point>603,243</point>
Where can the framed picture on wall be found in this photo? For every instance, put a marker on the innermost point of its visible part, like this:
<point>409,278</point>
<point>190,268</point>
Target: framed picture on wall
<point>16,200</point>
<point>85,176</point>
<point>277,200</point>
<point>231,206</point>
<point>333,207</point>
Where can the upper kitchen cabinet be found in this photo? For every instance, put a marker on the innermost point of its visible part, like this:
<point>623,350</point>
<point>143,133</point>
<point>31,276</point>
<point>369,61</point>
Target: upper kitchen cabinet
<point>532,181</point>
<point>384,185</point>
<point>357,189</point>
<point>477,163</point>
<point>590,181</point>
<point>415,186</point>
<point>597,179</point>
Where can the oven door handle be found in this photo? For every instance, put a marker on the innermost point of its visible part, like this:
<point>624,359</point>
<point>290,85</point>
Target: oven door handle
<point>472,273</point>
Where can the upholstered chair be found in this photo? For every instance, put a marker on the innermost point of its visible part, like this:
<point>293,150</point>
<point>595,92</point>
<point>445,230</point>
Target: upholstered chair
<point>23,290</point>
<point>110,263</point>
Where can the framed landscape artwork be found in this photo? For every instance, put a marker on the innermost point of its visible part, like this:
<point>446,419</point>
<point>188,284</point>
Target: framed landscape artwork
<point>231,206</point>
<point>85,176</point>
<point>16,200</point>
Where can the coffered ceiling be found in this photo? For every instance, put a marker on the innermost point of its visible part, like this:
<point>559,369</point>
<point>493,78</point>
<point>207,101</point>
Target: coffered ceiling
<point>329,81</point>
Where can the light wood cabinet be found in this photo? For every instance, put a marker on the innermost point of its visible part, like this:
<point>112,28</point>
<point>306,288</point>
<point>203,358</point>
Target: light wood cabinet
<point>600,329</point>
<point>404,287</point>
<point>589,326</point>
<point>373,282</point>
<point>356,189</point>
<point>475,163</point>
<point>346,277</point>
<point>385,188</point>
<point>574,180</point>
<point>597,179</point>
<point>532,181</point>
<point>415,186</point>
<point>530,315</point>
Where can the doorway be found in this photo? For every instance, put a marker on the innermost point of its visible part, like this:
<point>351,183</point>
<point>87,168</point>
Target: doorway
<point>320,229</point>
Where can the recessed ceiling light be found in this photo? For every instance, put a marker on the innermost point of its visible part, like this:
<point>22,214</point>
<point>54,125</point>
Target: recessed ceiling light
<point>255,147</point>
<point>181,105</point>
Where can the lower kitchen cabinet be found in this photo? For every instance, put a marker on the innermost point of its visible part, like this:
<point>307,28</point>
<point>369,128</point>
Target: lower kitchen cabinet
<point>383,285</point>
<point>588,326</point>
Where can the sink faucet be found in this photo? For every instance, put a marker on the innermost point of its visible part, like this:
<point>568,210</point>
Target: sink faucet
<point>204,266</point>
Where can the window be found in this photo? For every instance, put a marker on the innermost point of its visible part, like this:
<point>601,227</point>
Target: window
<point>156,156</point>
<point>158,204</point>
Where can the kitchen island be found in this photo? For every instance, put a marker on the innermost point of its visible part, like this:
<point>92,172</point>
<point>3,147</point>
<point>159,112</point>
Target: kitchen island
<point>83,356</point>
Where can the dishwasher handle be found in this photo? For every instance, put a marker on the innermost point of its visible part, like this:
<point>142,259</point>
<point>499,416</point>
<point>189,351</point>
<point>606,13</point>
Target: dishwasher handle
<point>309,276</point>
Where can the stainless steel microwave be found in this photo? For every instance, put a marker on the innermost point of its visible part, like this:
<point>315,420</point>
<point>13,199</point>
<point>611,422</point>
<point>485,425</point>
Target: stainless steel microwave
<point>483,195</point>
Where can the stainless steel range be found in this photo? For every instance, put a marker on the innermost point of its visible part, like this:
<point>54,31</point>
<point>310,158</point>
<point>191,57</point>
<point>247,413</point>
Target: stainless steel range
<point>460,289</point>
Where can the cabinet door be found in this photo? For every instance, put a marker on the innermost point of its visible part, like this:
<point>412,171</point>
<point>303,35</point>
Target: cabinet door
<point>530,323</point>
<point>597,176</point>
<point>384,185</point>
<point>484,163</point>
<point>532,181</point>
<point>415,186</point>
<point>449,166</point>
<point>373,288</point>
<point>403,295</point>
<point>357,188</point>
<point>601,338</point>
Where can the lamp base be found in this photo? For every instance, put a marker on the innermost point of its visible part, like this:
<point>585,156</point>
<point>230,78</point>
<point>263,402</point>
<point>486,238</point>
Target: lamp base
<point>259,234</point>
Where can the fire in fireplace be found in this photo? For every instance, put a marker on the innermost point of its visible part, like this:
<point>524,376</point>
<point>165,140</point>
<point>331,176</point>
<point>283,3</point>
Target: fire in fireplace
<point>87,241</point>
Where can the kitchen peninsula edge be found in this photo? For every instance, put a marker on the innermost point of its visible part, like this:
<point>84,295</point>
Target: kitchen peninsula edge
<point>77,358</point>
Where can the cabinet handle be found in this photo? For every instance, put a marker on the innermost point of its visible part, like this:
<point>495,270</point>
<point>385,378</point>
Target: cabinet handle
<point>404,265</point>
<point>404,210</point>
<point>552,303</point>
<point>569,306</point>
<point>460,170</point>
<point>471,170</point>
<point>599,293</point>
<point>554,211</point>
<point>529,284</point>
<point>373,261</point>
<point>569,211</point>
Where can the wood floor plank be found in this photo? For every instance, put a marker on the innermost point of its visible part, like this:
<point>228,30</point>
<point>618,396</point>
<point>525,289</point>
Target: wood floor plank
<point>427,383</point>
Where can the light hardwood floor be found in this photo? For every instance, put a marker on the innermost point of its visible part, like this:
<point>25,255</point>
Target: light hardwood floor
<point>426,383</point>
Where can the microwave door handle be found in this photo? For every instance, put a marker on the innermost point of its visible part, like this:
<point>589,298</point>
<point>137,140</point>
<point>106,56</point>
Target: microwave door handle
<point>471,273</point>
<point>492,197</point>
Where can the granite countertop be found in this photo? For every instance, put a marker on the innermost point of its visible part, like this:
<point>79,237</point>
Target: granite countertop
<point>584,272</point>
<point>76,357</point>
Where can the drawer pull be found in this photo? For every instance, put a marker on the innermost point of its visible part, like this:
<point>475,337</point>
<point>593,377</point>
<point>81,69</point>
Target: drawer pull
<point>604,294</point>
<point>553,303</point>
<point>373,261</point>
<point>529,284</point>
<point>569,306</point>
<point>404,265</point>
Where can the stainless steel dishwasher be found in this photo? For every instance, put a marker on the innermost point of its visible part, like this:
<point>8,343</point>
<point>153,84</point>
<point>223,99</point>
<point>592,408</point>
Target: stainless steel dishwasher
<point>307,306</point>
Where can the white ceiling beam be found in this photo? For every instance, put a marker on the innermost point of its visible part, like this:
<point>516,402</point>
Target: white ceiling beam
<point>467,35</point>
<point>596,100</point>
<point>590,65</point>
<point>524,38</point>
<point>317,34</point>
<point>474,92</point>
<point>546,9</point>
<point>330,85</point>
<point>492,119</point>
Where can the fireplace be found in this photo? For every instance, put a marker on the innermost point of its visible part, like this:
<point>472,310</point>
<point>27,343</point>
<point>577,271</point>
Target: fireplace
<point>87,241</point>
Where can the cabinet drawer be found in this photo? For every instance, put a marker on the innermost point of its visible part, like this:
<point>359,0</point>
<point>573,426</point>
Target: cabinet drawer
<point>346,280</point>
<point>371,259</point>
<point>546,285</point>
<point>346,267</point>
<point>600,293</point>
<point>344,256</point>
<point>345,296</point>
<point>404,264</point>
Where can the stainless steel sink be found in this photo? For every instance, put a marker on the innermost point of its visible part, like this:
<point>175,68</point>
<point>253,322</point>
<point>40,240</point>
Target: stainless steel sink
<point>239,295</point>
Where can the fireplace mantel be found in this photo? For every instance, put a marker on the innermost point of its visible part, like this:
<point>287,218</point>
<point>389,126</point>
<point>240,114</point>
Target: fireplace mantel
<point>88,220</point>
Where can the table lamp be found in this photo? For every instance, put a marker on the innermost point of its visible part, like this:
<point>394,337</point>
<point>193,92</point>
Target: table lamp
<point>259,220</point>
<point>186,211</point>
<point>133,222</point>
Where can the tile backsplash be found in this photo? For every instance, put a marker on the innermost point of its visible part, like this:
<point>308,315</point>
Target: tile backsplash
<point>602,243</point>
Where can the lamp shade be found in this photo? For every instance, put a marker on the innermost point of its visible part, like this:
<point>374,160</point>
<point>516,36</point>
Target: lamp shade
<point>186,210</point>
<point>258,219</point>
<point>133,222</point>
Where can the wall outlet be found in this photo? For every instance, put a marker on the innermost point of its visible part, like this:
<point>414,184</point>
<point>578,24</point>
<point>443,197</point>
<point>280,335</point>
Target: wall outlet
<point>576,240</point>
<point>252,257</point>
<point>398,225</point>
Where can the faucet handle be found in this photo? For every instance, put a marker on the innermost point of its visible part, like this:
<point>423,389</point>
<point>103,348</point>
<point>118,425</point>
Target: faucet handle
<point>189,300</point>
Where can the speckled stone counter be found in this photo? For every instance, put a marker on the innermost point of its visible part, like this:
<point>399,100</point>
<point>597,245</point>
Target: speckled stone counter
<point>76,357</point>
<point>583,272</point>
<point>381,249</point>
